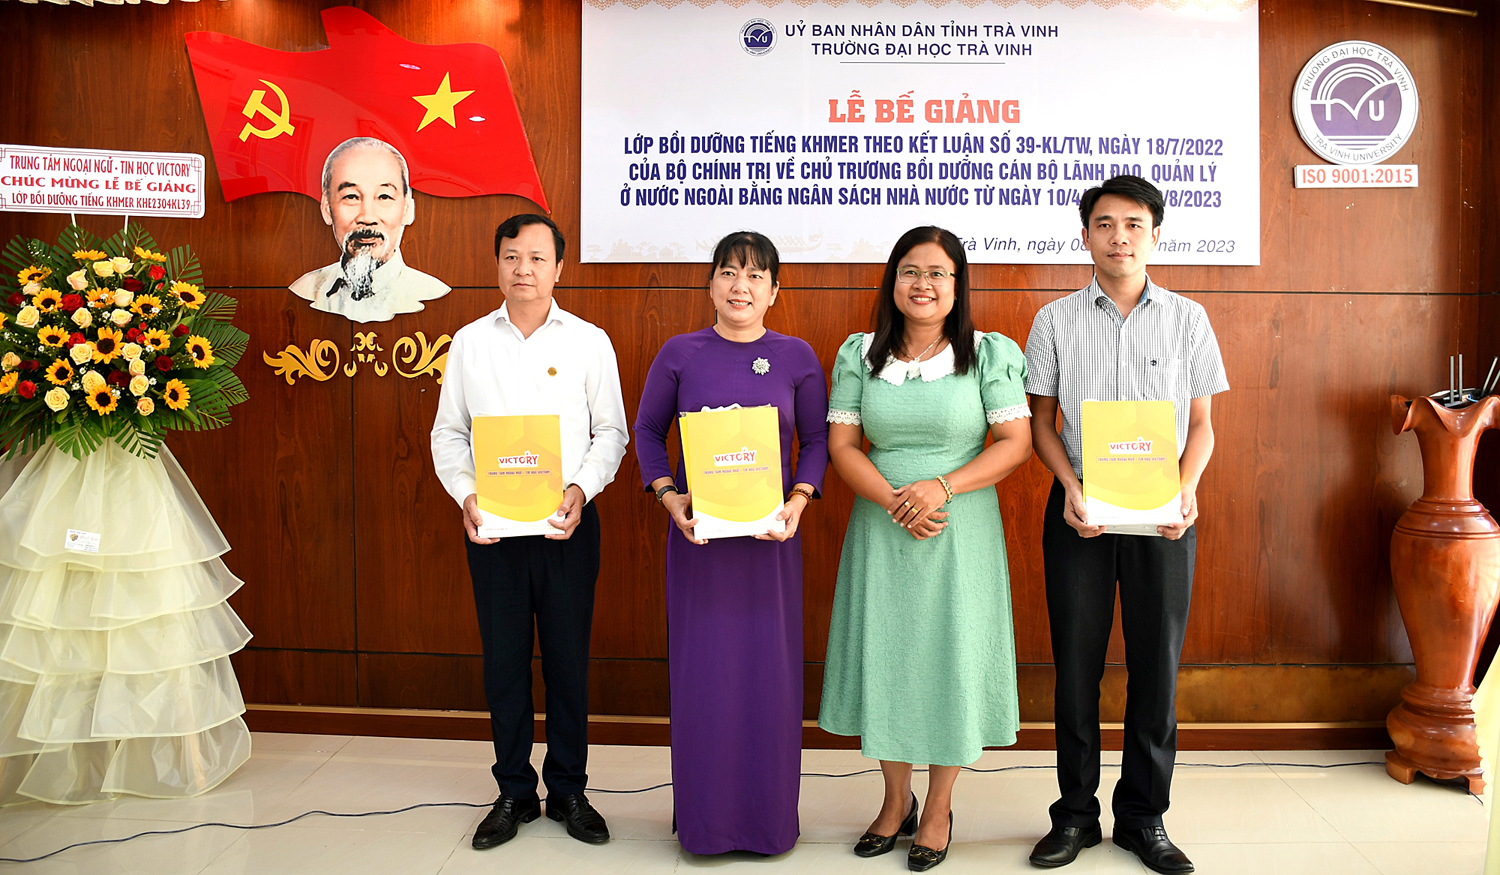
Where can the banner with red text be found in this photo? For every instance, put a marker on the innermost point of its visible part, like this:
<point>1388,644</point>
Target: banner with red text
<point>834,127</point>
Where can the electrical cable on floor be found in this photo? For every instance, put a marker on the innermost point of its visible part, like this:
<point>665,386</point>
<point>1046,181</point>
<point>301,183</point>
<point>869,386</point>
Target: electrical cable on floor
<point>255,826</point>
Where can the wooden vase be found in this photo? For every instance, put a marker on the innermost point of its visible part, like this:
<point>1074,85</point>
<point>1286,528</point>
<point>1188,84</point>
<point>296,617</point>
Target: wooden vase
<point>1445,567</point>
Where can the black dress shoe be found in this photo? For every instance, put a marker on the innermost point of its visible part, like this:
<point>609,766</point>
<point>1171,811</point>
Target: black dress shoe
<point>507,815</point>
<point>921,858</point>
<point>872,845</point>
<point>583,822</point>
<point>1154,848</point>
<point>1061,846</point>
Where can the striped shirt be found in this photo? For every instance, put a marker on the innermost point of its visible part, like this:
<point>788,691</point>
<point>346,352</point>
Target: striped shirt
<point>1081,349</point>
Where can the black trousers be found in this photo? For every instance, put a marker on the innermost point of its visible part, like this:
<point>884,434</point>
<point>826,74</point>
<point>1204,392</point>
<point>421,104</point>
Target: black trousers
<point>516,580</point>
<point>1155,579</point>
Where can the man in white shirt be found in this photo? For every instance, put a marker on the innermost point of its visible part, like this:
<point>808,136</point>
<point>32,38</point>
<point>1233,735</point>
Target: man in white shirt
<point>531,357</point>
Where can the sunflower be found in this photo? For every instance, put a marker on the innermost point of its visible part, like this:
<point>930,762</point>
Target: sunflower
<point>176,394</point>
<point>201,351</point>
<point>51,335</point>
<point>8,382</point>
<point>47,300</point>
<point>101,298</point>
<point>188,294</point>
<point>156,339</point>
<point>33,274</point>
<point>89,255</point>
<point>60,372</point>
<point>107,346</point>
<point>102,401</point>
<point>148,255</point>
<point>146,306</point>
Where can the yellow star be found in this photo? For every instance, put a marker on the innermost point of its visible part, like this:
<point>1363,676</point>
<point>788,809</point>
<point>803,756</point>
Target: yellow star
<point>440,105</point>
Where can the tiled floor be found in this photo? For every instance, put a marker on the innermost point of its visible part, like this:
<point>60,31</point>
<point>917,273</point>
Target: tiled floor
<point>1259,818</point>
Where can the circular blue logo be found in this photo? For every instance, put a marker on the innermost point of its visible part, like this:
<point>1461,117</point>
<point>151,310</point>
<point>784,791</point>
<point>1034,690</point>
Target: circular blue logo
<point>758,37</point>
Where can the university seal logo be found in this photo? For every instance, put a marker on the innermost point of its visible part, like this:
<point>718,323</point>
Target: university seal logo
<point>1355,103</point>
<point>758,36</point>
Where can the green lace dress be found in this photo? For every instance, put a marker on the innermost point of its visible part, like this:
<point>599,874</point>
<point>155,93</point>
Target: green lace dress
<point>921,653</point>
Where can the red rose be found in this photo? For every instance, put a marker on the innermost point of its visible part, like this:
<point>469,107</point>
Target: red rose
<point>119,378</point>
<point>180,331</point>
<point>27,389</point>
<point>157,271</point>
<point>71,303</point>
<point>76,338</point>
<point>16,300</point>
<point>31,365</point>
<point>132,284</point>
<point>164,363</point>
<point>133,335</point>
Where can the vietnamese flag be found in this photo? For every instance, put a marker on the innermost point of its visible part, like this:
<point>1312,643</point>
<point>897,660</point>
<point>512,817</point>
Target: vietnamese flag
<point>274,116</point>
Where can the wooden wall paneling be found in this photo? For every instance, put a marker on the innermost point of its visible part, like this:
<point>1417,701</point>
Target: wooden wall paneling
<point>296,677</point>
<point>278,480</point>
<point>414,587</point>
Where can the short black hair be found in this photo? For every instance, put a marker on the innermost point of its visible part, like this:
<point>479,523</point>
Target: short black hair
<point>1124,185</point>
<point>747,249</point>
<point>512,228</point>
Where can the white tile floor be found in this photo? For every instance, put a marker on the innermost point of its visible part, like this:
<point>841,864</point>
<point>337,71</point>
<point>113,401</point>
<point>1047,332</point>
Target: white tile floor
<point>1260,818</point>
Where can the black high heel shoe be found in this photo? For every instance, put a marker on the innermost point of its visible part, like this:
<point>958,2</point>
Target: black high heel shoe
<point>872,845</point>
<point>920,858</point>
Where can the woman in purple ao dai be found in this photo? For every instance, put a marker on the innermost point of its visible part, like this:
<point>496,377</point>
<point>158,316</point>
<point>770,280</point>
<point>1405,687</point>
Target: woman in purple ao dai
<point>734,605</point>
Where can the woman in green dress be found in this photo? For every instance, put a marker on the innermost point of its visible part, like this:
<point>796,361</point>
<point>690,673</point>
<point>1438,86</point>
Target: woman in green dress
<point>921,655</point>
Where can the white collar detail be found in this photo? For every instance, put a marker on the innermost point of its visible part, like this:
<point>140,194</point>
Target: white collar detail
<point>895,370</point>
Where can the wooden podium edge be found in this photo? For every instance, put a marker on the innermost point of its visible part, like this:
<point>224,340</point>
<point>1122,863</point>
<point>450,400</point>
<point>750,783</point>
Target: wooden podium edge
<point>625,729</point>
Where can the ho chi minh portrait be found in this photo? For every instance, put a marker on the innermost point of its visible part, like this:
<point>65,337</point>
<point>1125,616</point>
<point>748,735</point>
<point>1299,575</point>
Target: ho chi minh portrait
<point>367,201</point>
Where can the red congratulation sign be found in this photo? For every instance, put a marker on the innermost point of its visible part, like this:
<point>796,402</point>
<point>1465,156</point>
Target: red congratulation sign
<point>274,116</point>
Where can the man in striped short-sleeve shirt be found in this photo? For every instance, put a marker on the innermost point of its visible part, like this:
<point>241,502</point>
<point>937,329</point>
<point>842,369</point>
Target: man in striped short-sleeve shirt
<point>1121,339</point>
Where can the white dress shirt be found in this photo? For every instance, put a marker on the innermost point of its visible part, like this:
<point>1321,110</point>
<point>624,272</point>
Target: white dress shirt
<point>566,367</point>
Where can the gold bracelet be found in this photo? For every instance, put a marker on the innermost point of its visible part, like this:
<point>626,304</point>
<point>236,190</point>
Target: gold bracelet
<point>943,482</point>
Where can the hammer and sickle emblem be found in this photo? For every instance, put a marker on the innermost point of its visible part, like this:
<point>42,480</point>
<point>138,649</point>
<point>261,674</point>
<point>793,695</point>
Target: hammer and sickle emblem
<point>280,124</point>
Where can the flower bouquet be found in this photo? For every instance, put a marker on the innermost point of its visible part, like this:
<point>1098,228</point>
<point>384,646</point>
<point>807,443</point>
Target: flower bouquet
<point>111,339</point>
<point>115,626</point>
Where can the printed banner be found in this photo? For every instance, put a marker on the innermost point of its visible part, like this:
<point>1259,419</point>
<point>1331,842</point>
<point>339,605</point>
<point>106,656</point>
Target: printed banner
<point>1130,476</point>
<point>835,128</point>
<point>517,473</point>
<point>40,179</point>
<point>733,462</point>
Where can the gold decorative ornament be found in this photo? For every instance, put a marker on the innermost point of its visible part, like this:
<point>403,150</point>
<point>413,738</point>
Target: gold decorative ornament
<point>410,357</point>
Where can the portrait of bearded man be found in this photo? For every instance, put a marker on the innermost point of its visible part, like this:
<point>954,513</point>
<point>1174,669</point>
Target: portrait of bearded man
<point>367,201</point>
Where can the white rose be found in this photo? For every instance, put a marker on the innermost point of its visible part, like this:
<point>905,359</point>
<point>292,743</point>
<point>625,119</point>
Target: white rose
<point>120,317</point>
<point>144,406</point>
<point>104,268</point>
<point>92,382</point>
<point>137,367</point>
<point>139,385</point>
<point>78,280</point>
<point>81,352</point>
<point>31,288</point>
<point>57,399</point>
<point>121,264</point>
<point>131,351</point>
<point>27,316</point>
<point>10,361</point>
<point>82,318</point>
<point>123,297</point>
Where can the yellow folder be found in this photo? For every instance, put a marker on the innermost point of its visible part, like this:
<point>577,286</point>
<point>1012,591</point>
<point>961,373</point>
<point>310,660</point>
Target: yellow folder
<point>1130,477</point>
<point>517,473</point>
<point>733,461</point>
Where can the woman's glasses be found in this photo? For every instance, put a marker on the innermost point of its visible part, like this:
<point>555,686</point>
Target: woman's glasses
<point>909,275</point>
